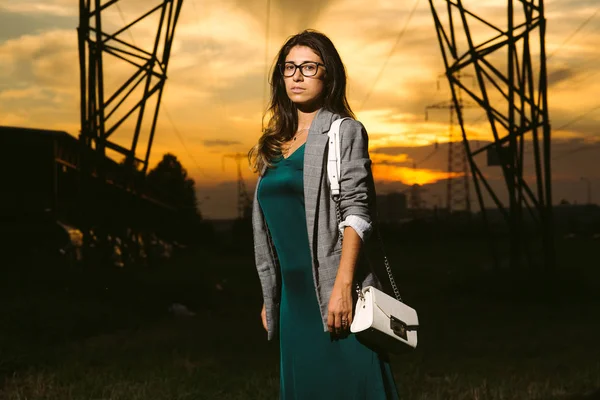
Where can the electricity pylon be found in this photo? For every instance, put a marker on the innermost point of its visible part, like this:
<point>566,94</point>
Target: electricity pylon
<point>102,113</point>
<point>244,201</point>
<point>458,192</point>
<point>512,91</point>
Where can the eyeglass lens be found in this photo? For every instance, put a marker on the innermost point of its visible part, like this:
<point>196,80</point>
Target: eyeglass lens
<point>306,69</point>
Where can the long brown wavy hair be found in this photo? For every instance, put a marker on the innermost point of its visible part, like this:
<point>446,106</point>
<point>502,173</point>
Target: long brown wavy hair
<point>283,114</point>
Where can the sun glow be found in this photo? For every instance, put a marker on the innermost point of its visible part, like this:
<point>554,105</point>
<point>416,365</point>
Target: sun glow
<point>409,176</point>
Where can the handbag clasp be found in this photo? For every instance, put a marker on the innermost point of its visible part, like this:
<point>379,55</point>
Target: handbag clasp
<point>399,327</point>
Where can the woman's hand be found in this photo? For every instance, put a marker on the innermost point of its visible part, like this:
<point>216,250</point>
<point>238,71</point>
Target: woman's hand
<point>339,318</point>
<point>340,308</point>
<point>263,317</point>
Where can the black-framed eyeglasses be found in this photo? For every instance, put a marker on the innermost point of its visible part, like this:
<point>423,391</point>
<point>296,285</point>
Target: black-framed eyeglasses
<point>307,68</point>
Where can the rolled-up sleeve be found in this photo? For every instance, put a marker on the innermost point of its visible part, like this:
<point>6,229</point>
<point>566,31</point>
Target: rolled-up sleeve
<point>356,179</point>
<point>362,227</point>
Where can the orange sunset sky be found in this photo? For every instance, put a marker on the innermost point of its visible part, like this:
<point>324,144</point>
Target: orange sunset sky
<point>215,95</point>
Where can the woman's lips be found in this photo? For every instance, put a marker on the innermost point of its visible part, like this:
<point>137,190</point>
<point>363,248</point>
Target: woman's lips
<point>297,90</point>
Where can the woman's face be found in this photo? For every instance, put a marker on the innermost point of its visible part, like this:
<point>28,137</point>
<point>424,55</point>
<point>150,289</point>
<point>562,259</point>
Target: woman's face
<point>304,90</point>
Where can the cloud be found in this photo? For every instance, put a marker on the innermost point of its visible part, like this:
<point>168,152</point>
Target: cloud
<point>217,82</point>
<point>14,25</point>
<point>59,8</point>
<point>570,162</point>
<point>38,89</point>
<point>28,94</point>
<point>48,60</point>
<point>215,49</point>
<point>409,176</point>
<point>288,17</point>
<point>220,143</point>
<point>387,159</point>
<point>559,75</point>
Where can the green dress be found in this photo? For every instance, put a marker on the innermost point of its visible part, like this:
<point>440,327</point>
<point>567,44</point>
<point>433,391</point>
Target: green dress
<point>312,365</point>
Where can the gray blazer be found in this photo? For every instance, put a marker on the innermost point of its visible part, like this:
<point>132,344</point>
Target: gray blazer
<point>356,195</point>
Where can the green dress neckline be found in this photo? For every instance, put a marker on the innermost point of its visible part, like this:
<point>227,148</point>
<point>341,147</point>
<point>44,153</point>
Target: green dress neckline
<point>295,151</point>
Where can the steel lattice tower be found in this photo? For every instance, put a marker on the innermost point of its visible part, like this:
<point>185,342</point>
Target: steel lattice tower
<point>103,113</point>
<point>244,202</point>
<point>512,91</point>
<point>458,193</point>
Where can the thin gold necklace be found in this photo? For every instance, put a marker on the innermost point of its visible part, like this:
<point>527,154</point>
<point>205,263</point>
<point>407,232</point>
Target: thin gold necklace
<point>298,131</point>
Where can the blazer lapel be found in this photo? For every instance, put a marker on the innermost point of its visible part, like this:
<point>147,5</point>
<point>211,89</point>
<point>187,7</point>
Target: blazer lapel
<point>314,156</point>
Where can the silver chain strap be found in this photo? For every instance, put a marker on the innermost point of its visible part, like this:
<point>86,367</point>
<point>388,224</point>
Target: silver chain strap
<point>385,259</point>
<point>387,265</point>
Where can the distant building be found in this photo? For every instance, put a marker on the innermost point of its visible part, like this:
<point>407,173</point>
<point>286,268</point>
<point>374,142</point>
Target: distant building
<point>580,219</point>
<point>41,171</point>
<point>568,218</point>
<point>392,207</point>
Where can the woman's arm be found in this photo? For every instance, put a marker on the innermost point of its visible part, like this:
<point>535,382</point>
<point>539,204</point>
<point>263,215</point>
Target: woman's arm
<point>356,180</point>
<point>340,303</point>
<point>356,188</point>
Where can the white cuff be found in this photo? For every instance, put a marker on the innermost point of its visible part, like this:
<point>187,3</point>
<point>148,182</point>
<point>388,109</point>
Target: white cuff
<point>362,227</point>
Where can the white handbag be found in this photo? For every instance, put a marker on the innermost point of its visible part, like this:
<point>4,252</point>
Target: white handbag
<point>380,321</point>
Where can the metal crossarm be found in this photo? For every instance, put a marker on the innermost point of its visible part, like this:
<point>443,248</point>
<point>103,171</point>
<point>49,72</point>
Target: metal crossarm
<point>103,114</point>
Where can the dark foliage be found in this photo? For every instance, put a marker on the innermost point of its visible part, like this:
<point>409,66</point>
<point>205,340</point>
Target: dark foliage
<point>170,179</point>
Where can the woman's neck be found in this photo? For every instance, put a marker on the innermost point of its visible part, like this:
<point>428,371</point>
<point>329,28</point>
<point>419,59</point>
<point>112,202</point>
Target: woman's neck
<point>305,118</point>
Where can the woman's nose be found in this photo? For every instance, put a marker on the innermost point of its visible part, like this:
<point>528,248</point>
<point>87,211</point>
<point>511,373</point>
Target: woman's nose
<point>298,75</point>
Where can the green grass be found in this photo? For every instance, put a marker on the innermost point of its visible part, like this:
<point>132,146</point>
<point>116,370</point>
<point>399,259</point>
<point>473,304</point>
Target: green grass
<point>98,334</point>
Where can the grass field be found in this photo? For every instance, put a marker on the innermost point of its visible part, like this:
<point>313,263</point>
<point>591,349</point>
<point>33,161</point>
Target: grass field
<point>81,333</point>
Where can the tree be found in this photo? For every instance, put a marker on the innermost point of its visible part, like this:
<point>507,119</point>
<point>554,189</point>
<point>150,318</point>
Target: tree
<point>171,182</point>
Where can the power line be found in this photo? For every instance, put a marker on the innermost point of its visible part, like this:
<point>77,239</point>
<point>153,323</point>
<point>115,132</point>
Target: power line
<point>575,151</point>
<point>427,157</point>
<point>267,33</point>
<point>195,10</point>
<point>566,153</point>
<point>569,123</point>
<point>578,118</point>
<point>208,74</point>
<point>567,39</point>
<point>180,137</point>
<point>582,66</point>
<point>398,38</point>
<point>125,24</point>
<point>575,32</point>
<point>164,106</point>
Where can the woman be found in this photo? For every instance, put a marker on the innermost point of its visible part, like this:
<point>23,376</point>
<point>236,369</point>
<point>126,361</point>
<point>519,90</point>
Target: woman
<point>307,272</point>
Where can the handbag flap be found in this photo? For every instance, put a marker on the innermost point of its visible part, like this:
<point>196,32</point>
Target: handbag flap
<point>392,307</point>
